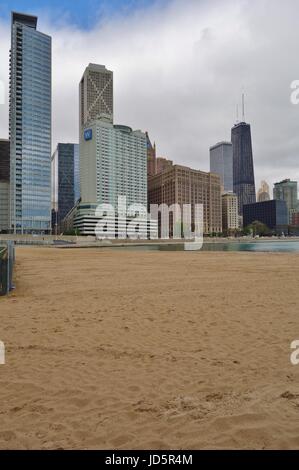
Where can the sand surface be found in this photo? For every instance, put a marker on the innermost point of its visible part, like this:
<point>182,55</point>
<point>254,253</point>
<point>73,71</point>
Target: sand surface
<point>150,350</point>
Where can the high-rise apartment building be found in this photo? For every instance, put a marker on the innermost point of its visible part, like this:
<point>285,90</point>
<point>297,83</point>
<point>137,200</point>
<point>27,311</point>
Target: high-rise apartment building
<point>95,94</point>
<point>4,184</point>
<point>264,192</point>
<point>243,169</point>
<point>287,191</point>
<point>65,180</point>
<point>30,127</point>
<point>182,185</point>
<point>221,163</point>
<point>113,162</point>
<point>230,215</point>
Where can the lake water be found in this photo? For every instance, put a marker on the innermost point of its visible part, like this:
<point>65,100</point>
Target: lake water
<point>263,246</point>
<point>260,246</point>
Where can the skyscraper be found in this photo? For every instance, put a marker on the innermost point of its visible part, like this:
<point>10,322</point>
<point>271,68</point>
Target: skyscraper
<point>243,170</point>
<point>221,163</point>
<point>65,180</point>
<point>115,164</point>
<point>264,192</point>
<point>287,191</point>
<point>30,127</point>
<point>95,94</point>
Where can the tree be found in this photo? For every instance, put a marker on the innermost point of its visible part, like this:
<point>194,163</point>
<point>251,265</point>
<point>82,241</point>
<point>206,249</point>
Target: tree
<point>257,228</point>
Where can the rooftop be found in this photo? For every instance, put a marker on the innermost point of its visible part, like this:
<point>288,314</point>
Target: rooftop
<point>23,18</point>
<point>219,144</point>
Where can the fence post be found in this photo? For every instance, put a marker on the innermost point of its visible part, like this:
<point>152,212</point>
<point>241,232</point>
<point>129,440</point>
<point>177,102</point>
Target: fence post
<point>6,268</point>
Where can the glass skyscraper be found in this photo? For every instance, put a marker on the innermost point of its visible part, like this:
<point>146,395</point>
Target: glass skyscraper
<point>221,163</point>
<point>30,127</point>
<point>243,170</point>
<point>287,191</point>
<point>65,180</point>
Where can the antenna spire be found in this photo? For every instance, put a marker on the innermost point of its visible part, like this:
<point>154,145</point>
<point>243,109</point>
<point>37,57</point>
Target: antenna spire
<point>243,107</point>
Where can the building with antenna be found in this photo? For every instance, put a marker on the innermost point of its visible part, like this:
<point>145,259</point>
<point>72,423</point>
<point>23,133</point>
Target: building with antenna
<point>243,169</point>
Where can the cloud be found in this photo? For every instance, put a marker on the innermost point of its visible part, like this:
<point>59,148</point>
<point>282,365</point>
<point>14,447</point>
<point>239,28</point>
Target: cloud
<point>179,70</point>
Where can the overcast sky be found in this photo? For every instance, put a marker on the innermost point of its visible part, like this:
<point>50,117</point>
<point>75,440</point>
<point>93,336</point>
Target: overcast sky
<point>179,70</point>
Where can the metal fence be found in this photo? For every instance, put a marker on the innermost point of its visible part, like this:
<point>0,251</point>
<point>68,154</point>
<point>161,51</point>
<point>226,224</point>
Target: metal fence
<point>7,260</point>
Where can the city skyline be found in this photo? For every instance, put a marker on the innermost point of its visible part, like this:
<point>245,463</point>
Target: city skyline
<point>208,94</point>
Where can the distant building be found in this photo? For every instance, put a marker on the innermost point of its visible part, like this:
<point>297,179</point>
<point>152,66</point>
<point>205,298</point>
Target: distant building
<point>243,170</point>
<point>151,157</point>
<point>95,94</point>
<point>272,213</point>
<point>155,165</point>
<point>295,220</point>
<point>65,181</point>
<point>264,192</point>
<point>183,185</point>
<point>163,164</point>
<point>287,191</point>
<point>221,163</point>
<point>4,184</point>
<point>230,216</point>
<point>30,126</point>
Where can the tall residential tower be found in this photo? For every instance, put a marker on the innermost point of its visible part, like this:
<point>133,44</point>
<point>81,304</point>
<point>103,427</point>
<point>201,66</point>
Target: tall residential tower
<point>30,127</point>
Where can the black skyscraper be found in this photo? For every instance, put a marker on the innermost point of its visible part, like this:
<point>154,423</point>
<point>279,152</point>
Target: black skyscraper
<point>4,160</point>
<point>243,171</point>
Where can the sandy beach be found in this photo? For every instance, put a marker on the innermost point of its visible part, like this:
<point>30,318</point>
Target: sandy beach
<point>150,350</point>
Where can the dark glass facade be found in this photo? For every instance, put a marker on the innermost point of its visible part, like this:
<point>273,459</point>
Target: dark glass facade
<point>4,160</point>
<point>243,170</point>
<point>65,180</point>
<point>273,213</point>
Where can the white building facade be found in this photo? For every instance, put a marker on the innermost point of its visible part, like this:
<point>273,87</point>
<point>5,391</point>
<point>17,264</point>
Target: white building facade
<point>113,163</point>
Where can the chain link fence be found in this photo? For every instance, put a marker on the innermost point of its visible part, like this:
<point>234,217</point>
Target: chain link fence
<point>7,260</point>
